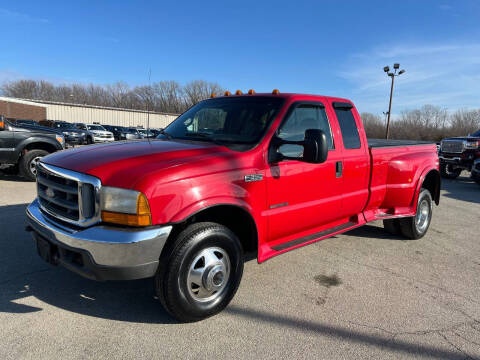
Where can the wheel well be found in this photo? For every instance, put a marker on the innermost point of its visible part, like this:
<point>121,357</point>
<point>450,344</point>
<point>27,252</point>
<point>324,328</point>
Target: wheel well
<point>40,146</point>
<point>233,217</point>
<point>432,184</point>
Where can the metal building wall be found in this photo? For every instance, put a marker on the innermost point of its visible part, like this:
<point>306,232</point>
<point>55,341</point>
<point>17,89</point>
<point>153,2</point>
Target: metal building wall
<point>106,116</point>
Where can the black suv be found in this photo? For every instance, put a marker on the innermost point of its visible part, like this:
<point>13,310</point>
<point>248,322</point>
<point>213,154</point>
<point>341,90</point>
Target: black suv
<point>73,135</point>
<point>458,153</point>
<point>22,146</point>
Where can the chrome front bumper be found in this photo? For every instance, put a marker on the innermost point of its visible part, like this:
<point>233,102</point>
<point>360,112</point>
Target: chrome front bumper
<point>106,252</point>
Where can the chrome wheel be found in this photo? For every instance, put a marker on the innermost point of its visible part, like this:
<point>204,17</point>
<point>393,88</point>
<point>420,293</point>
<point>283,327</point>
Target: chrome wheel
<point>33,164</point>
<point>423,216</point>
<point>208,274</point>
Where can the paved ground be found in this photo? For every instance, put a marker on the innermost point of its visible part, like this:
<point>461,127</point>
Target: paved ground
<point>360,295</point>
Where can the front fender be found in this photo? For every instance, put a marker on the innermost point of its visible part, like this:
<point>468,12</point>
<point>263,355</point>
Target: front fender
<point>37,139</point>
<point>194,208</point>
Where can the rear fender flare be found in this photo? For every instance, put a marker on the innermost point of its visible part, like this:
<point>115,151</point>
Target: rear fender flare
<point>421,180</point>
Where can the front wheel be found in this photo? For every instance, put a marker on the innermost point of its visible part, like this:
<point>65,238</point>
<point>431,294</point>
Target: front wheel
<point>448,171</point>
<point>28,163</point>
<point>201,272</point>
<point>416,227</point>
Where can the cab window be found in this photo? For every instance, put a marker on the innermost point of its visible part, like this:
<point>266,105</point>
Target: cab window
<point>302,118</point>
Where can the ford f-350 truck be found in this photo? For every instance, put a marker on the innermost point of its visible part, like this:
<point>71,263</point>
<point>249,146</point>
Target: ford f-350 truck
<point>235,174</point>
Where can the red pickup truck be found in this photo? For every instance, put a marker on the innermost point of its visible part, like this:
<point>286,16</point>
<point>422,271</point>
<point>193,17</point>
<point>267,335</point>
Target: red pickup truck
<point>235,174</point>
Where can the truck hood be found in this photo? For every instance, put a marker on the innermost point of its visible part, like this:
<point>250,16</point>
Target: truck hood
<point>123,164</point>
<point>35,129</point>
<point>462,138</point>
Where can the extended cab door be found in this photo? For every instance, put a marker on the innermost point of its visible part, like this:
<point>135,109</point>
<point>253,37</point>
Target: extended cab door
<point>355,168</point>
<point>302,196</point>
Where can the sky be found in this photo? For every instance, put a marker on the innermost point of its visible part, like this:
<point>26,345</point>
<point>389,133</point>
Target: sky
<point>316,47</point>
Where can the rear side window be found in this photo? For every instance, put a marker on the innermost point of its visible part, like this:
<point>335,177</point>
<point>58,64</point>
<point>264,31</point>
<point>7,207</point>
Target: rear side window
<point>348,126</point>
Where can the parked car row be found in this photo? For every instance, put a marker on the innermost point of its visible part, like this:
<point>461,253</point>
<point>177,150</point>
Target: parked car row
<point>83,134</point>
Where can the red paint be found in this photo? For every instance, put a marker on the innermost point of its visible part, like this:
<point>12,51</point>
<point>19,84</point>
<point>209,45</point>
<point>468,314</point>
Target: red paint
<point>180,179</point>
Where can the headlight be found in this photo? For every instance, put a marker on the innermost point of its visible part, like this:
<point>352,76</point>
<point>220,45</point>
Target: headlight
<point>126,207</point>
<point>471,144</point>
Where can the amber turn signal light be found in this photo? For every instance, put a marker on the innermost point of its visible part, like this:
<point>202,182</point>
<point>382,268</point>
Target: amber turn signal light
<point>251,92</point>
<point>143,217</point>
<point>227,93</point>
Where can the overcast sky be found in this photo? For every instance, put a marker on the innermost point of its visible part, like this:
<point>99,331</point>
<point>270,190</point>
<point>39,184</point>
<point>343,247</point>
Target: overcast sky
<point>315,47</point>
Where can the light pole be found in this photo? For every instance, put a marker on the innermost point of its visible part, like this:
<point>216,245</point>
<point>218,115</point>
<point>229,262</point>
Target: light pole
<point>396,66</point>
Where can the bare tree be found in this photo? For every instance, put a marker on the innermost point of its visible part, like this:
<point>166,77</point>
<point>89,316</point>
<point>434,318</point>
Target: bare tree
<point>374,125</point>
<point>198,90</point>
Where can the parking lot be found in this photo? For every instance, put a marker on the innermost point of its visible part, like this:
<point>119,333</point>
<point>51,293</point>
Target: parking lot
<point>364,294</point>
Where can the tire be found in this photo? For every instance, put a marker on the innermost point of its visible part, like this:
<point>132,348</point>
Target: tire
<point>415,227</point>
<point>392,226</point>
<point>89,140</point>
<point>28,162</point>
<point>200,273</point>
<point>448,172</point>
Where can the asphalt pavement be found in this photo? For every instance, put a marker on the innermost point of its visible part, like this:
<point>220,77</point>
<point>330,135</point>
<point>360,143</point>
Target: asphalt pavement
<point>361,295</point>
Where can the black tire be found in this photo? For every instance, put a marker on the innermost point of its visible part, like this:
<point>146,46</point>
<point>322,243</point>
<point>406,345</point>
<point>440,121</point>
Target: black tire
<point>449,172</point>
<point>392,226</point>
<point>89,140</point>
<point>173,289</point>
<point>410,226</point>
<point>27,163</point>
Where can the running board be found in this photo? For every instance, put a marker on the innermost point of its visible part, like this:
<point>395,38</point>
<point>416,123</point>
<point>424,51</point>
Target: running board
<point>317,235</point>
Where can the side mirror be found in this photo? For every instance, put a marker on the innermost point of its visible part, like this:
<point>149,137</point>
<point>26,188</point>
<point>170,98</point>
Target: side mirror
<point>315,147</point>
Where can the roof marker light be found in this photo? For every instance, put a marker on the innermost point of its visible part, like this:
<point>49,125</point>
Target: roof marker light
<point>275,92</point>
<point>227,93</point>
<point>212,95</point>
<point>251,92</point>
<point>238,92</point>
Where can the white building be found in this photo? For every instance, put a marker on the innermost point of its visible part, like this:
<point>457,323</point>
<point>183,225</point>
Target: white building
<point>87,113</point>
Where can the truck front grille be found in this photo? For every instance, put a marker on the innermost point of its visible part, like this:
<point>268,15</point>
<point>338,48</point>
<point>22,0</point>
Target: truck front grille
<point>67,195</point>
<point>452,146</point>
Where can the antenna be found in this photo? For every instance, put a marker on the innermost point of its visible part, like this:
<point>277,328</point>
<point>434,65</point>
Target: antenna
<point>148,101</point>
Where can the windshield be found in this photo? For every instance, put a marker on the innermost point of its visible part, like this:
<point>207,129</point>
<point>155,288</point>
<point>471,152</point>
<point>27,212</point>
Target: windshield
<point>64,126</point>
<point>95,127</point>
<point>131,130</point>
<point>476,133</point>
<point>237,120</point>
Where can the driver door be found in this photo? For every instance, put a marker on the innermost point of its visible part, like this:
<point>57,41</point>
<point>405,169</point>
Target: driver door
<point>302,197</point>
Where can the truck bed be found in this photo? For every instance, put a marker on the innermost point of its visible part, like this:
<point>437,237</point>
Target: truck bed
<point>379,143</point>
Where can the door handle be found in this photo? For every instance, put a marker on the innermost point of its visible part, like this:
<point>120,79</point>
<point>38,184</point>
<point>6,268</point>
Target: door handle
<point>338,169</point>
